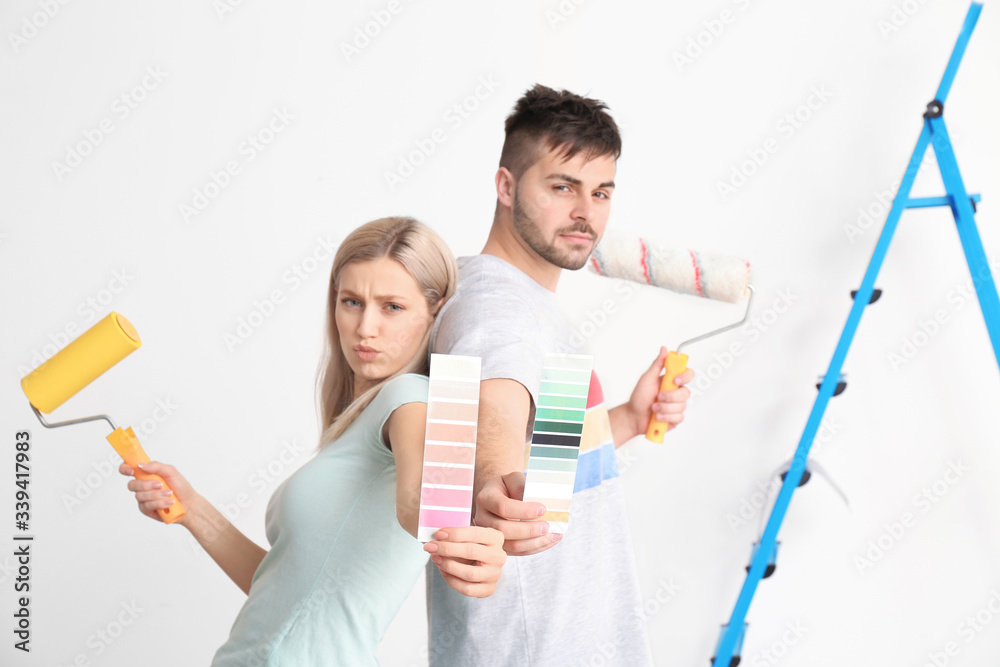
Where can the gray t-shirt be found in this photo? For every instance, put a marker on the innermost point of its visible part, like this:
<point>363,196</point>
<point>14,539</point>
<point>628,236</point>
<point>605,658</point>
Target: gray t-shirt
<point>577,603</point>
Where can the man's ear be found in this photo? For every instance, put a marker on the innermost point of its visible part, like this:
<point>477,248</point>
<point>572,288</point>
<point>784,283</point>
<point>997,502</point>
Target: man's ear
<point>506,183</point>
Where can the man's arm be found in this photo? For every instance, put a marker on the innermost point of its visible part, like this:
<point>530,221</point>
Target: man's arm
<point>504,406</point>
<point>632,418</point>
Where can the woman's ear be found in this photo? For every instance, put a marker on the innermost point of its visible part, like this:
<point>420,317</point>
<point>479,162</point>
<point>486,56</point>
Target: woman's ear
<point>437,307</point>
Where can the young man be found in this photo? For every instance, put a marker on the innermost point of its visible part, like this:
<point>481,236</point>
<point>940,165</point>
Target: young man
<point>575,604</point>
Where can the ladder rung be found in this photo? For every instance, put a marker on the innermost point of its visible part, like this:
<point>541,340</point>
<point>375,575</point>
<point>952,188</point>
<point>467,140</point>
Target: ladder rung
<point>841,386</point>
<point>737,649</point>
<point>945,200</point>
<point>771,562</point>
<point>876,293</point>
<point>806,476</point>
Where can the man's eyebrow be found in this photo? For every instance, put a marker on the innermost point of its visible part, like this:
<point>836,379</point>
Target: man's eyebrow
<point>576,181</point>
<point>564,177</point>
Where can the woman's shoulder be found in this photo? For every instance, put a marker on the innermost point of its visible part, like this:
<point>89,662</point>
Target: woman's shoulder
<point>400,390</point>
<point>405,388</point>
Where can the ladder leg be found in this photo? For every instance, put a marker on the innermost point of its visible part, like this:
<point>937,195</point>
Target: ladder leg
<point>985,290</point>
<point>724,654</point>
<point>965,221</point>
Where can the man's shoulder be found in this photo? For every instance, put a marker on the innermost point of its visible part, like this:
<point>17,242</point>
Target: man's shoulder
<point>482,269</point>
<point>484,309</point>
<point>491,276</point>
<point>488,281</point>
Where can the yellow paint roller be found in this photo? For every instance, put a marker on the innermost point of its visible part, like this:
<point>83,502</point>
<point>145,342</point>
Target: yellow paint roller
<point>713,276</point>
<point>74,367</point>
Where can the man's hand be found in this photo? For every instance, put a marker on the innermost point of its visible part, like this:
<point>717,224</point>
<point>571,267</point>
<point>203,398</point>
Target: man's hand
<point>499,506</point>
<point>647,399</point>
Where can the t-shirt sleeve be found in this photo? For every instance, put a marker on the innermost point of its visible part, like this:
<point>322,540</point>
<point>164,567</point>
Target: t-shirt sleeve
<point>501,329</point>
<point>408,388</point>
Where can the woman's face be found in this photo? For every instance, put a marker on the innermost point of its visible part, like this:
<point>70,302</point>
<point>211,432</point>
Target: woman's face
<point>382,316</point>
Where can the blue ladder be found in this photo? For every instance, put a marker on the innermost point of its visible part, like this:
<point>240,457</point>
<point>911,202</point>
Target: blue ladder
<point>963,209</point>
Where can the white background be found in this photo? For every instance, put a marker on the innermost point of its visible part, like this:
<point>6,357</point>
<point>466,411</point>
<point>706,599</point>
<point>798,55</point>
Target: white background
<point>242,418</point>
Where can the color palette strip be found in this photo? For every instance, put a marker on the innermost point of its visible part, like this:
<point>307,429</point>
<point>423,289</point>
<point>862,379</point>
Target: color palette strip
<point>555,440</point>
<point>449,444</point>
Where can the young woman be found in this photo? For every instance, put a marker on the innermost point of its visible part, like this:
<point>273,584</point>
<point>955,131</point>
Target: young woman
<point>341,563</point>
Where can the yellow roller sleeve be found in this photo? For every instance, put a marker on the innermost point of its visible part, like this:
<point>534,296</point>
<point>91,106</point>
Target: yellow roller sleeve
<point>128,447</point>
<point>81,362</point>
<point>674,365</point>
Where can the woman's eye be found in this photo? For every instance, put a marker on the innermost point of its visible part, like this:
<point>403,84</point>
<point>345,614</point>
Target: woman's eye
<point>350,302</point>
<point>395,307</point>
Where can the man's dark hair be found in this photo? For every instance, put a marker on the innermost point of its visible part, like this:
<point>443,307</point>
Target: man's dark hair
<point>547,118</point>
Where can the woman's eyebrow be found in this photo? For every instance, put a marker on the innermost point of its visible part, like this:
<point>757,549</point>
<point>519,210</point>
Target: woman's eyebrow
<point>378,297</point>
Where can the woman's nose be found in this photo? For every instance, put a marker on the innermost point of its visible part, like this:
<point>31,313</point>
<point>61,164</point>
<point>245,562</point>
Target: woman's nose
<point>368,324</point>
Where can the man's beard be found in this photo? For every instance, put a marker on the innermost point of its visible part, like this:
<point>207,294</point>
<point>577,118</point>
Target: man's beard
<point>528,230</point>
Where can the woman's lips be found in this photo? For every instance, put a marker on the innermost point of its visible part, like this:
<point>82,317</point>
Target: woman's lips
<point>365,353</point>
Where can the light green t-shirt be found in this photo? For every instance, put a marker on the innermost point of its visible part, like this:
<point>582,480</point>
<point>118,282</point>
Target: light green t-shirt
<point>340,565</point>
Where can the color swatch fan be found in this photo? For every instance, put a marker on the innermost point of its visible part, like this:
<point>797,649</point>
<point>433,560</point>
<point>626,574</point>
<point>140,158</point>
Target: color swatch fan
<point>555,441</point>
<point>449,444</point>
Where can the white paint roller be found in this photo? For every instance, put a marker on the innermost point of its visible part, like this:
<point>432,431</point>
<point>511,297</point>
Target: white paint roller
<point>719,277</point>
<point>713,276</point>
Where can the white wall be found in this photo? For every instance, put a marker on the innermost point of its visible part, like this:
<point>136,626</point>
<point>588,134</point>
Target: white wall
<point>110,231</point>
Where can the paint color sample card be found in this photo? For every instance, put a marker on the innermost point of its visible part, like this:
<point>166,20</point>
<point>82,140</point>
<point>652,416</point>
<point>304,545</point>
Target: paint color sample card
<point>449,444</point>
<point>555,441</point>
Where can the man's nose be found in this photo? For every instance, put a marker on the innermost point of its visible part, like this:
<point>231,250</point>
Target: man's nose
<point>583,207</point>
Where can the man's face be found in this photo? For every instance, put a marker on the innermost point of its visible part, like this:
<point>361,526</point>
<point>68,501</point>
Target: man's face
<point>560,208</point>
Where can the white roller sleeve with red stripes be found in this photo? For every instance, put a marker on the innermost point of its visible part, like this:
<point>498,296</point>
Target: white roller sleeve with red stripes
<point>714,276</point>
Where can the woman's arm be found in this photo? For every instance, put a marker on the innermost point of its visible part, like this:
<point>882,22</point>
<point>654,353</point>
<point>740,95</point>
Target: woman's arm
<point>405,430</point>
<point>469,557</point>
<point>234,552</point>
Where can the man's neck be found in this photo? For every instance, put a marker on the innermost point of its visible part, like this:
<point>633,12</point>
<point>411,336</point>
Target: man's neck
<point>511,249</point>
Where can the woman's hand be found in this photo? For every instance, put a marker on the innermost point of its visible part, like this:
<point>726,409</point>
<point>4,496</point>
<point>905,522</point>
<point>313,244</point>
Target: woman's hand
<point>469,558</point>
<point>150,493</point>
<point>233,551</point>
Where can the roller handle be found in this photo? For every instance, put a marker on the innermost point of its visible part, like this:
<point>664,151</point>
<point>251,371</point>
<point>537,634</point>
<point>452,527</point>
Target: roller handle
<point>128,447</point>
<point>674,365</point>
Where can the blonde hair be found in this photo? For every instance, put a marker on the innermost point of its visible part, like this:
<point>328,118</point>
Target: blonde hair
<point>428,259</point>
